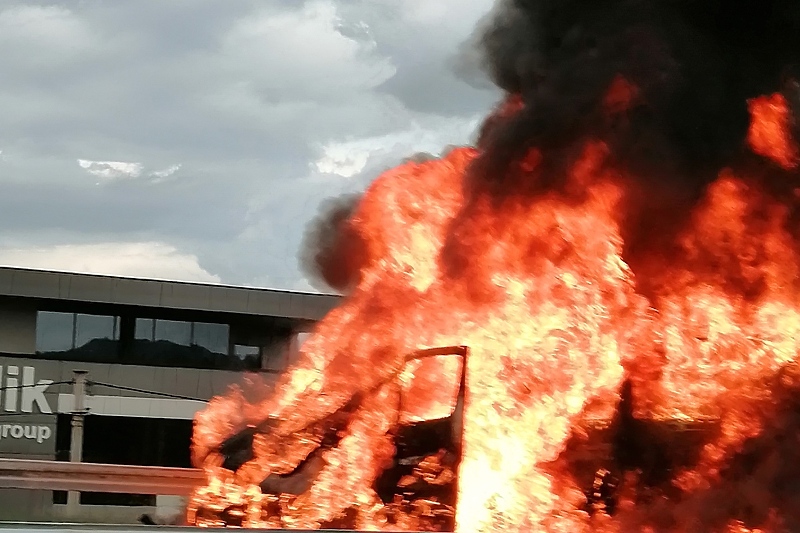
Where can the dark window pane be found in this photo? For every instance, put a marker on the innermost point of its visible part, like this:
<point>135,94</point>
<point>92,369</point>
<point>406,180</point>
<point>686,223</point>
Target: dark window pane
<point>174,331</point>
<point>144,329</point>
<point>160,342</point>
<point>241,351</point>
<point>274,358</point>
<point>213,337</point>
<point>96,339</point>
<point>92,327</point>
<point>54,331</point>
<point>249,356</point>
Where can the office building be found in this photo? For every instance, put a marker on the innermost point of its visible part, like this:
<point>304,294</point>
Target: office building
<point>154,352</point>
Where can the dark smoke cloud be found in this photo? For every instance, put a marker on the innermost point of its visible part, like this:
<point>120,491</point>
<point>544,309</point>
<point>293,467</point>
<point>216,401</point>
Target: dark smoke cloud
<point>694,64</point>
<point>331,253</point>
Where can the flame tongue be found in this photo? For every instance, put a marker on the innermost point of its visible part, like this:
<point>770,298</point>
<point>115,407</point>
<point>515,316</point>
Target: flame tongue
<point>539,292</point>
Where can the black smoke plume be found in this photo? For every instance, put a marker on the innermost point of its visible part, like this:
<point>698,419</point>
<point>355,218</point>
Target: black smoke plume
<point>693,63</point>
<point>331,253</point>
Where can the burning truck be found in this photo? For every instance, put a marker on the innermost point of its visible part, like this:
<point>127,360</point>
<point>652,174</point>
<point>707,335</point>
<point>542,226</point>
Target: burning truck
<point>416,416</point>
<point>589,321</point>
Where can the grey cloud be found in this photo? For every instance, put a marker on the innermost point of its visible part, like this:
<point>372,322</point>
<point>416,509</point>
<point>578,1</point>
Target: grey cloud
<point>126,209</point>
<point>428,86</point>
<point>430,57</point>
<point>209,86</point>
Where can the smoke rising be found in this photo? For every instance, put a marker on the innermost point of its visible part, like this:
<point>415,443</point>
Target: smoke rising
<point>694,64</point>
<point>664,84</point>
<point>331,253</point>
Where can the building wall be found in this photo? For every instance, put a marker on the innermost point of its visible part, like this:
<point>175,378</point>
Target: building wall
<point>29,415</point>
<point>188,382</point>
<point>25,505</point>
<point>215,298</point>
<point>37,506</point>
<point>18,329</point>
<point>33,435</point>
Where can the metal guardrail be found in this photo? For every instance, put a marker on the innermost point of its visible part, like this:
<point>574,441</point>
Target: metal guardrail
<point>96,477</point>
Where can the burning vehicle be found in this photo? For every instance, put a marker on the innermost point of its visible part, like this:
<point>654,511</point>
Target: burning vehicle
<point>614,268</point>
<point>413,472</point>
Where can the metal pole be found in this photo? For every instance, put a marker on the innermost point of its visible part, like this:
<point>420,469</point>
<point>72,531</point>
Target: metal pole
<point>76,437</point>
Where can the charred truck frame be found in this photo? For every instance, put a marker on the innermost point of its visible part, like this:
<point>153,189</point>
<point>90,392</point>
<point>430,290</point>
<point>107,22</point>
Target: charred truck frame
<point>421,479</point>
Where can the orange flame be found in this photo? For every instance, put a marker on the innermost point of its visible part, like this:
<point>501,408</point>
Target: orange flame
<point>769,131</point>
<point>554,324</point>
<point>621,94</point>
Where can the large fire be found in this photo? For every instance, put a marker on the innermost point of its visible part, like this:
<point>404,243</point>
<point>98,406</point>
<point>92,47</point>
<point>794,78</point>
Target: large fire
<point>565,355</point>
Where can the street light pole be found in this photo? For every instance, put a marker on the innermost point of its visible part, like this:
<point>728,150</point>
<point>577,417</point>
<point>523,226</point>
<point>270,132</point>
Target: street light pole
<point>76,436</point>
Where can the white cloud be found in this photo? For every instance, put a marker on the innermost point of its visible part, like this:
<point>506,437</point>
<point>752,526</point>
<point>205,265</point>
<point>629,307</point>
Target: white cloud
<point>116,170</point>
<point>344,159</point>
<point>303,54</point>
<point>269,282</point>
<point>111,170</point>
<point>139,259</point>
<point>48,35</point>
<point>165,173</point>
<point>349,158</point>
<point>448,14</point>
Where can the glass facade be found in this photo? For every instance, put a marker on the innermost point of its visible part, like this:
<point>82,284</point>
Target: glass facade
<point>55,332</point>
<point>94,327</point>
<point>184,344</point>
<point>213,337</point>
<point>77,337</point>
<point>145,329</point>
<point>126,441</point>
<point>249,356</point>
<point>149,341</point>
<point>243,351</point>
<point>174,332</point>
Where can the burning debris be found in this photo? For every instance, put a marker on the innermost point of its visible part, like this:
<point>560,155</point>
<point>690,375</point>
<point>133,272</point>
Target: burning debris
<point>619,253</point>
<point>413,480</point>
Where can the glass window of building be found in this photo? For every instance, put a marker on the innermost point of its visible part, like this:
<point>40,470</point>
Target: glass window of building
<point>248,357</point>
<point>243,351</point>
<point>55,332</point>
<point>174,331</point>
<point>95,327</point>
<point>213,337</point>
<point>144,329</point>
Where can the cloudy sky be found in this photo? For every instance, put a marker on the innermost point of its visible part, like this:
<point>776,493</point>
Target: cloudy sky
<point>194,139</point>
